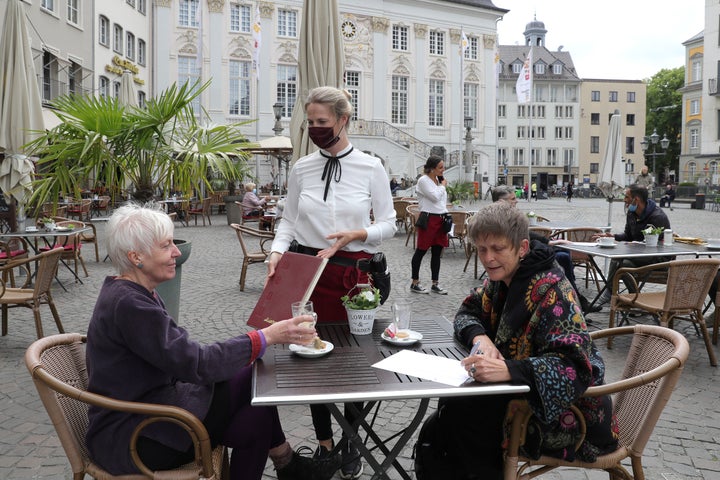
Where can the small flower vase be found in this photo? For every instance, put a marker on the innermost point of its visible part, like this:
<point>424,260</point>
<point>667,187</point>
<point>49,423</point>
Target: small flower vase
<point>49,227</point>
<point>361,321</point>
<point>651,239</point>
<point>532,220</point>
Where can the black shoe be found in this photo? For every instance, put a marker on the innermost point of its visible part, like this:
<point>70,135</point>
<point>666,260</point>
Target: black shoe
<point>352,467</point>
<point>307,468</point>
<point>417,288</point>
<point>327,462</point>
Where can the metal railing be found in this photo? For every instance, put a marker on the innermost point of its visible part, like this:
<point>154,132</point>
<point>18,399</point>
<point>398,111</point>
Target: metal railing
<point>376,128</point>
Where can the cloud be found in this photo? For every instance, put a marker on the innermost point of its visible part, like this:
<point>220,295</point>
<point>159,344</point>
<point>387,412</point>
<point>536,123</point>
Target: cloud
<point>623,39</point>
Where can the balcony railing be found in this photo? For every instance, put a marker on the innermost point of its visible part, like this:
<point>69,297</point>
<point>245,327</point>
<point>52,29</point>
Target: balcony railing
<point>391,132</point>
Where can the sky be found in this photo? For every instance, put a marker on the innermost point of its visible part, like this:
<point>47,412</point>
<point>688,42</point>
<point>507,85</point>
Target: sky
<point>609,39</point>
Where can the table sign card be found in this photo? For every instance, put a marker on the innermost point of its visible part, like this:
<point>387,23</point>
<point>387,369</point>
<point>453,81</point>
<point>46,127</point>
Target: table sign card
<point>430,367</point>
<point>295,277</point>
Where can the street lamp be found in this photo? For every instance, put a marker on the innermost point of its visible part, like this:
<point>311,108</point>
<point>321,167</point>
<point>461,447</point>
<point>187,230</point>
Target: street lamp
<point>468,121</point>
<point>278,110</point>
<point>664,143</point>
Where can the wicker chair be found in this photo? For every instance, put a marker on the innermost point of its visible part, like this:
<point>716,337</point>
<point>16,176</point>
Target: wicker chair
<point>11,297</point>
<point>688,283</point>
<point>413,211</point>
<point>57,366</point>
<point>14,248</point>
<point>80,210</point>
<point>655,360</point>
<point>583,234</point>
<point>401,213</point>
<point>71,246</point>
<point>251,256</point>
<point>459,231</point>
<point>202,210</point>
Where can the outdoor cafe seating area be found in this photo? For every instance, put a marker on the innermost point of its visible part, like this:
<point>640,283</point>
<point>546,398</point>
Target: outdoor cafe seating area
<point>242,281</point>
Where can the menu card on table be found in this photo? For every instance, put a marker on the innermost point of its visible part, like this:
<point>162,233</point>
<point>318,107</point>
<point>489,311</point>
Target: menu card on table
<point>294,280</point>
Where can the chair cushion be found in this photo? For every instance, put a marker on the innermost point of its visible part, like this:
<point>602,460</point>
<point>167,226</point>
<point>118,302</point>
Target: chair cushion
<point>13,253</point>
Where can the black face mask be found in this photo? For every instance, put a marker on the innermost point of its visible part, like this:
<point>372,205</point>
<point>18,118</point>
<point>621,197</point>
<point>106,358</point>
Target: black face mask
<point>323,137</point>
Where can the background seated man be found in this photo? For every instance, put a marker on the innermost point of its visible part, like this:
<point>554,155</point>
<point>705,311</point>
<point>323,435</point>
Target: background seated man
<point>641,212</point>
<point>668,196</point>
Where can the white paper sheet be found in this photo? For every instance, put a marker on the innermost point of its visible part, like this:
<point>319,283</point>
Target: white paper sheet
<point>429,367</point>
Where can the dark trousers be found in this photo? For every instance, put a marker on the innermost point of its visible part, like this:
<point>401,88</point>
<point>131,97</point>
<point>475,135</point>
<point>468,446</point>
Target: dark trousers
<point>231,421</point>
<point>436,253</point>
<point>322,421</point>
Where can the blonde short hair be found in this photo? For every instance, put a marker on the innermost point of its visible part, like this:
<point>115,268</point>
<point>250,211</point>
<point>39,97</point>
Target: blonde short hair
<point>249,186</point>
<point>338,100</point>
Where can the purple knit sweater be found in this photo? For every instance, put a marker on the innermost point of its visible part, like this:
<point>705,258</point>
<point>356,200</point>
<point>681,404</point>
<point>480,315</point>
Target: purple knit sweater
<point>136,352</point>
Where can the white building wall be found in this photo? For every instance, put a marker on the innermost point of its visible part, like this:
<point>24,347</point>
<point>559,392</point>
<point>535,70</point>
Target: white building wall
<point>369,52</point>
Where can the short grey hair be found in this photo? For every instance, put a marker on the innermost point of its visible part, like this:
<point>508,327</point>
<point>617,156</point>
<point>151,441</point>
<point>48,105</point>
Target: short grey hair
<point>135,228</point>
<point>502,191</point>
<point>338,100</point>
<point>499,219</point>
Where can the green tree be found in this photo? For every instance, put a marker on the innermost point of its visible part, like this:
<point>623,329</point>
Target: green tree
<point>664,114</point>
<point>163,146</point>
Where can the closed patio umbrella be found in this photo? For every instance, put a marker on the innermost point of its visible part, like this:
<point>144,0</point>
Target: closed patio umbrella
<point>612,174</point>
<point>20,106</point>
<point>127,95</point>
<point>321,63</point>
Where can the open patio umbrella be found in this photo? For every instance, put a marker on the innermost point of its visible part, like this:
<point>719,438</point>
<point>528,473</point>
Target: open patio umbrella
<point>612,174</point>
<point>20,106</point>
<point>127,95</point>
<point>321,63</point>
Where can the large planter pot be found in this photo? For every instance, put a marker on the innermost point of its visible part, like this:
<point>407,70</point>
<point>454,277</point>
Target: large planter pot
<point>361,321</point>
<point>232,209</point>
<point>170,291</point>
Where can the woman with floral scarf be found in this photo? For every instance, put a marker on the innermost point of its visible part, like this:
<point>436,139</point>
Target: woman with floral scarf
<point>526,325</point>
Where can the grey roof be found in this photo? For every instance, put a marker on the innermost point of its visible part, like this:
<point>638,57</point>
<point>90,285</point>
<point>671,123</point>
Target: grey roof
<point>480,3</point>
<point>510,54</point>
<point>695,38</point>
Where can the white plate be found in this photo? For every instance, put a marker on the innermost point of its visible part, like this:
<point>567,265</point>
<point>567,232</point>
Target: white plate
<point>409,340</point>
<point>310,352</point>
<point>607,245</point>
<point>713,247</point>
<point>63,229</point>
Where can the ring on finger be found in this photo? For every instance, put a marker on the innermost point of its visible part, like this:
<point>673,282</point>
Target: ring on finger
<point>472,371</point>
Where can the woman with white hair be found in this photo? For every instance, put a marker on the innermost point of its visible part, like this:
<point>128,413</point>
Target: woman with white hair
<point>136,352</point>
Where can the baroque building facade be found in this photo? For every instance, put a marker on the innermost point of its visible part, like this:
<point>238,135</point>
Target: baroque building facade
<point>699,162</point>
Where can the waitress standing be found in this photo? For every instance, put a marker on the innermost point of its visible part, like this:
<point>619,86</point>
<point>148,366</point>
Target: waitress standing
<point>432,200</point>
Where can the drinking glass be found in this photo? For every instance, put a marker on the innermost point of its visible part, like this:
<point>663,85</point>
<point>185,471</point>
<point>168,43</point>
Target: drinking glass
<point>304,308</point>
<point>402,314</point>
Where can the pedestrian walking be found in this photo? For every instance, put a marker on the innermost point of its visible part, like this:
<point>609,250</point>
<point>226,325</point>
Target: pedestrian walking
<point>569,192</point>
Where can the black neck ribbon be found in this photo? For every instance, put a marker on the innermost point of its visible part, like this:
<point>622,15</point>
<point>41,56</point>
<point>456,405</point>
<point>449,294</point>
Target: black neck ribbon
<point>332,170</point>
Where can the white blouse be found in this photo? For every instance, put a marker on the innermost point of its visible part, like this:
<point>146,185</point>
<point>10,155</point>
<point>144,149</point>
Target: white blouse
<point>432,197</point>
<point>363,186</point>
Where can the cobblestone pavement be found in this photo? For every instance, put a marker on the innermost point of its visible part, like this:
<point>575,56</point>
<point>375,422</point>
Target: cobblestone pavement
<point>684,445</point>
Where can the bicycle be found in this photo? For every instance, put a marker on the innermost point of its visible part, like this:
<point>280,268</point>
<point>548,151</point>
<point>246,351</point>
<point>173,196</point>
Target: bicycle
<point>488,193</point>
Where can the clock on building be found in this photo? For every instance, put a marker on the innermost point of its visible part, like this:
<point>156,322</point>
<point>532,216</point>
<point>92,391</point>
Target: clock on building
<point>349,30</point>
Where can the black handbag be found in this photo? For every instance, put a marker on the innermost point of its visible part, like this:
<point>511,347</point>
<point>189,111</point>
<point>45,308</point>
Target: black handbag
<point>377,268</point>
<point>422,221</point>
<point>447,223</point>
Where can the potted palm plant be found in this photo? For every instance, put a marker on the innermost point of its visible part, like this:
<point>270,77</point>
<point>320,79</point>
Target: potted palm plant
<point>162,146</point>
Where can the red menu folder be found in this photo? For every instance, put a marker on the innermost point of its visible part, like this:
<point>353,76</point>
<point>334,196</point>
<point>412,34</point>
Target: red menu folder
<point>295,277</point>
